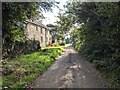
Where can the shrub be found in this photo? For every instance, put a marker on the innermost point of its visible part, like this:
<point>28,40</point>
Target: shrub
<point>18,48</point>
<point>62,44</point>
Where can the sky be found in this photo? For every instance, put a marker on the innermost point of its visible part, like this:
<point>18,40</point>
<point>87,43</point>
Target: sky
<point>51,16</point>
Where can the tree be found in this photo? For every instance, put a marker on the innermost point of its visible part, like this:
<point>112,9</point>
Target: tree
<point>98,38</point>
<point>14,16</point>
<point>61,26</point>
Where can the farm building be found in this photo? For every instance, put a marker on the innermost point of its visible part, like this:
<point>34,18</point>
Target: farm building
<point>36,30</point>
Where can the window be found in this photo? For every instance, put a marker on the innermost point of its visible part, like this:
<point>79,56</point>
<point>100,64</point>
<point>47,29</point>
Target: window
<point>41,31</point>
<point>49,38</point>
<point>50,32</point>
<point>46,39</point>
<point>46,31</point>
<point>41,39</point>
<point>36,28</point>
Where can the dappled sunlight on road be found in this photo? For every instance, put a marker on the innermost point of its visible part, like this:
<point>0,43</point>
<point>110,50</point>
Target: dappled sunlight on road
<point>75,67</point>
<point>68,79</point>
<point>70,71</point>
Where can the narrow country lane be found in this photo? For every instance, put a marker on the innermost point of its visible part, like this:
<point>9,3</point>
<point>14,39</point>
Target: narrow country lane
<point>70,71</point>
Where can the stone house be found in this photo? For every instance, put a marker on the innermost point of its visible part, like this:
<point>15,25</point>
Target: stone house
<point>36,30</point>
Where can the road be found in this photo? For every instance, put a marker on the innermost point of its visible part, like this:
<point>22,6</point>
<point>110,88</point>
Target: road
<point>70,71</point>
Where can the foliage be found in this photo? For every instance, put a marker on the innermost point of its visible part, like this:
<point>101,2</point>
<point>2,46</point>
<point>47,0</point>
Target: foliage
<point>19,72</point>
<point>97,36</point>
<point>20,48</point>
<point>64,23</point>
<point>61,26</point>
<point>62,44</point>
<point>77,38</point>
<point>14,16</point>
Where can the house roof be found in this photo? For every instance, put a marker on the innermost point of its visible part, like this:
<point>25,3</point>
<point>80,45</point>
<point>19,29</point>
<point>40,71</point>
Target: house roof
<point>39,23</point>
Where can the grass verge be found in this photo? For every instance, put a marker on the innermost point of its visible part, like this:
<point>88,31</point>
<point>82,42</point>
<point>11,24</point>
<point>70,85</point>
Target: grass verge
<point>19,72</point>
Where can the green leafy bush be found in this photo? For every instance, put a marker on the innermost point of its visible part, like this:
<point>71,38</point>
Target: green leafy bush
<point>62,44</point>
<point>19,48</point>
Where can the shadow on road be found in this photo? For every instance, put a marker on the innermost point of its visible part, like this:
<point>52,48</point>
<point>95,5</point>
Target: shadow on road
<point>70,71</point>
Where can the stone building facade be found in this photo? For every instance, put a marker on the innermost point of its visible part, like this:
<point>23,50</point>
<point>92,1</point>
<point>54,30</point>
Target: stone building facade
<point>36,30</point>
